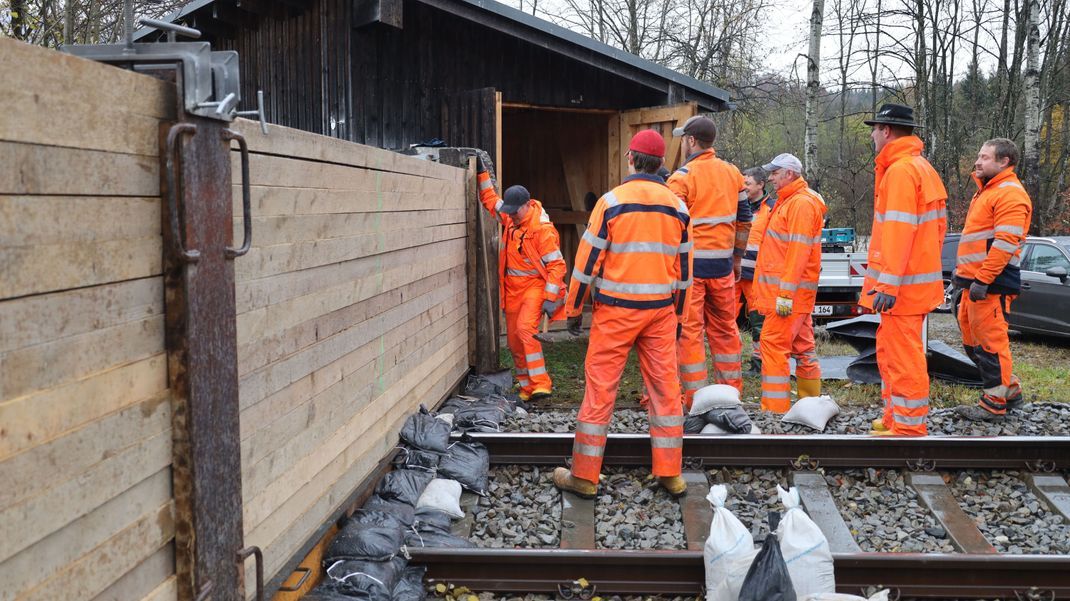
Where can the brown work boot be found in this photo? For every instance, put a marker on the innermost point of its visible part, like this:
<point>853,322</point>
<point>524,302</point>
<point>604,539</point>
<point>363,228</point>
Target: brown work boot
<point>978,414</point>
<point>564,480</point>
<point>674,485</point>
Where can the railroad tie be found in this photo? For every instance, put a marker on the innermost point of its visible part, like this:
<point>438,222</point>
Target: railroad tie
<point>577,522</point>
<point>1053,490</point>
<point>698,513</point>
<point>937,497</point>
<point>819,504</point>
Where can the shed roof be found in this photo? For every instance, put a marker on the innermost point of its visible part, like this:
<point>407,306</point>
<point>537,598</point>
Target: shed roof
<point>535,30</point>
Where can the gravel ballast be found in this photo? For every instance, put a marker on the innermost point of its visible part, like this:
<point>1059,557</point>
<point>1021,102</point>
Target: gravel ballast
<point>1010,516</point>
<point>522,509</point>
<point>633,512</point>
<point>751,495</point>
<point>884,514</point>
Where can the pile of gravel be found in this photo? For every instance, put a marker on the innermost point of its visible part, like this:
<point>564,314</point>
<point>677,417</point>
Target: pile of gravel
<point>1033,419</point>
<point>751,495</point>
<point>633,512</point>
<point>522,509</point>
<point>1010,516</point>
<point>884,514</point>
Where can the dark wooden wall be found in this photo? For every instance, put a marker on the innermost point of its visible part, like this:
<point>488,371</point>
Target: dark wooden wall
<point>386,87</point>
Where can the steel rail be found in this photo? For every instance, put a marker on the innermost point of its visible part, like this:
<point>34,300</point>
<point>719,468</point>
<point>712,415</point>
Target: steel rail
<point>1032,453</point>
<point>681,572</point>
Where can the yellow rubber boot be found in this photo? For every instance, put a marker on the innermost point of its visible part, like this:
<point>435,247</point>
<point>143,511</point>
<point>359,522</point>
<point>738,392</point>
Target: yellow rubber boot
<point>564,480</point>
<point>808,387</point>
<point>878,425</point>
<point>674,485</point>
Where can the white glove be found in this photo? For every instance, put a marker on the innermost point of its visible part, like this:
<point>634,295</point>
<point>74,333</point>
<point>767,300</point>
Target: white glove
<point>783,306</point>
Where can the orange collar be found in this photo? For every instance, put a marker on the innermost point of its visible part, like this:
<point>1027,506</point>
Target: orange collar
<point>1000,177</point>
<point>791,189</point>
<point>899,148</point>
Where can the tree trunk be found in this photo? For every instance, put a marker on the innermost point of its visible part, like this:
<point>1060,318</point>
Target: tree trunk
<point>1031,154</point>
<point>813,84</point>
<point>921,74</point>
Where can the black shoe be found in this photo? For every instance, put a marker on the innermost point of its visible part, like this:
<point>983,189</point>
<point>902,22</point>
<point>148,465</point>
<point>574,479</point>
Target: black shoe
<point>977,414</point>
<point>1015,403</point>
<point>539,396</point>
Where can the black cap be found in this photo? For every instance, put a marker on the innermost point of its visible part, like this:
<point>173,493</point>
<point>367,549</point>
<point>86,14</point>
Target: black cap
<point>515,197</point>
<point>701,127</point>
<point>893,114</point>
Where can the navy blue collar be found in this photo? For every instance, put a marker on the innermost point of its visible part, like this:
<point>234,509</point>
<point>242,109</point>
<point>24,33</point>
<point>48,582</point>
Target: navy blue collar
<point>648,177</point>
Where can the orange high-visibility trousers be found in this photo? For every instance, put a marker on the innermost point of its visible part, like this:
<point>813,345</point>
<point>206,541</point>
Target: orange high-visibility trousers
<point>904,374</point>
<point>521,324</point>
<point>714,305</point>
<point>984,334</point>
<point>614,331</point>
<point>783,336</point>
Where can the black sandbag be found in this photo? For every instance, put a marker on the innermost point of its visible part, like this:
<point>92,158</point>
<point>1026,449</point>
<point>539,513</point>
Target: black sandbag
<point>478,417</point>
<point>404,512</point>
<point>429,519</point>
<point>730,419</point>
<point>369,580</point>
<point>444,540</point>
<point>417,459</point>
<point>367,534</point>
<point>483,385</point>
<point>424,431</point>
<point>467,463</point>
<point>768,578</point>
<point>405,486</point>
<point>330,590</point>
<point>410,586</point>
<point>693,424</point>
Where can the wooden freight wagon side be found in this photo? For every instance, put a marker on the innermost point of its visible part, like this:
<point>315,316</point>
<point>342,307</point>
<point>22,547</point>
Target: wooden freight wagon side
<point>352,309</point>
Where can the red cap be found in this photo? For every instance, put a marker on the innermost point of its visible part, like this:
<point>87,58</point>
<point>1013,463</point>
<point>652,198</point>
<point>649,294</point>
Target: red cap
<point>649,142</point>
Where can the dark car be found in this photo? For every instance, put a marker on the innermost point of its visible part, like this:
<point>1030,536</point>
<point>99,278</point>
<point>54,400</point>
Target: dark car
<point>948,254</point>
<point>1042,307</point>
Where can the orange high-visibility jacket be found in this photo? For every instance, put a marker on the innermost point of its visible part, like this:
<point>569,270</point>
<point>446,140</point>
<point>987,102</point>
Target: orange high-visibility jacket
<point>990,248</point>
<point>530,255</point>
<point>754,237</point>
<point>636,251</point>
<point>720,215</point>
<point>789,258</point>
<point>909,223</point>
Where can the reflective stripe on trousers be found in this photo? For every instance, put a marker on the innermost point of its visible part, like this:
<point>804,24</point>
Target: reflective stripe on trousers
<point>711,313</point>
<point>521,325</point>
<point>783,337</point>
<point>904,373</point>
<point>983,325</point>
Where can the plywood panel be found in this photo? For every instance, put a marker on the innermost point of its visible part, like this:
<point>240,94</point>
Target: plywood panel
<point>51,170</point>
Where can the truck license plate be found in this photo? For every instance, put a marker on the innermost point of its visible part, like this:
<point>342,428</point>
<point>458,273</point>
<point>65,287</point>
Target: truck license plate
<point>822,310</point>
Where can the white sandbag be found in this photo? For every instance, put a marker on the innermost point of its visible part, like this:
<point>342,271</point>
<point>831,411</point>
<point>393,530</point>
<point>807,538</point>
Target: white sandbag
<point>714,396</point>
<point>812,412</point>
<point>754,429</point>
<point>713,429</point>
<point>805,548</point>
<point>443,495</point>
<point>728,551</point>
<point>446,417</point>
<point>878,596</point>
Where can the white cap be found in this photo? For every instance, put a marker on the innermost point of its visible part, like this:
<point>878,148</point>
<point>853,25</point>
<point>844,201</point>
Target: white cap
<point>784,161</point>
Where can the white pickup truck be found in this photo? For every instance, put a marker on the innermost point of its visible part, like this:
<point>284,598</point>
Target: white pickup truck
<point>843,270</point>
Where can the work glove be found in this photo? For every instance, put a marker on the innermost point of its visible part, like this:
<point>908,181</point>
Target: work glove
<point>783,306</point>
<point>575,325</point>
<point>883,302</point>
<point>548,307</point>
<point>737,268</point>
<point>480,167</point>
<point>978,291</point>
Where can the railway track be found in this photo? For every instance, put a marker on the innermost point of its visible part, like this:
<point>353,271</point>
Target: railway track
<point>976,570</point>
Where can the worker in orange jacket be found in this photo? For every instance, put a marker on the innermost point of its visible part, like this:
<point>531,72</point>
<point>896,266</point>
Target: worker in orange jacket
<point>990,251</point>
<point>531,271</point>
<point>636,254</point>
<point>720,220</point>
<point>761,205</point>
<point>904,282</point>
<point>785,286</point>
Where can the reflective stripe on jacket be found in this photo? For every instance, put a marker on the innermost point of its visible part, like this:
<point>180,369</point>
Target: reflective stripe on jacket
<point>636,251</point>
<point>754,238</point>
<point>909,223</point>
<point>789,258</point>
<point>720,215</point>
<point>990,248</point>
<point>530,255</point>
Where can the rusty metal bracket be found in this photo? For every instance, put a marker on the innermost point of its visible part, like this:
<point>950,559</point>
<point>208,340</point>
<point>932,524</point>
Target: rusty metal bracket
<point>259,555</point>
<point>1035,594</point>
<point>921,465</point>
<point>805,462</point>
<point>173,145</point>
<point>246,196</point>
<point>305,573</point>
<point>1040,466</point>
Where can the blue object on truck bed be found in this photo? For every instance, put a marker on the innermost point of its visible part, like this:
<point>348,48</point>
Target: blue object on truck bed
<point>838,235</point>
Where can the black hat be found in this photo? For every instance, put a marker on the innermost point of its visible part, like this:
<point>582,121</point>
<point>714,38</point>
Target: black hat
<point>893,114</point>
<point>515,197</point>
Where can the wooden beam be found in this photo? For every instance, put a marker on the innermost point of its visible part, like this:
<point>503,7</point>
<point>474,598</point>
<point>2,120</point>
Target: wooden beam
<point>961,529</point>
<point>577,522</point>
<point>370,12</point>
<point>698,513</point>
<point>822,509</point>
<point>556,109</point>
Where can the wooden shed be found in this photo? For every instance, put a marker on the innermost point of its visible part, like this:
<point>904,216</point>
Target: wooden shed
<point>556,109</point>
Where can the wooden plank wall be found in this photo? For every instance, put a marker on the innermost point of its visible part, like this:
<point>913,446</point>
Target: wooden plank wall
<point>352,311</point>
<point>85,417</point>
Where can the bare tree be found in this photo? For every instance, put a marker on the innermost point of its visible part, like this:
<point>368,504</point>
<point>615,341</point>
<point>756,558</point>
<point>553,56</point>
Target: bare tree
<point>1031,154</point>
<point>813,86</point>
